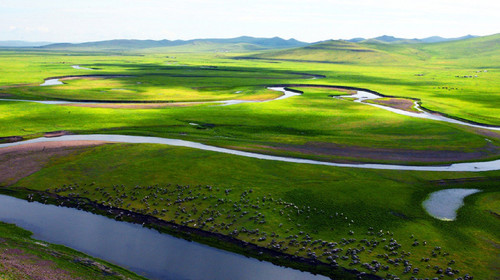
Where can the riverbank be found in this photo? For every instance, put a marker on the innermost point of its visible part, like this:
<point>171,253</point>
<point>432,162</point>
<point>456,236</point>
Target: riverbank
<point>24,257</point>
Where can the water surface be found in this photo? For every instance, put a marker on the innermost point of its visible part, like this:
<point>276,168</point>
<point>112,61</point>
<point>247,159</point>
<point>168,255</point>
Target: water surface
<point>52,82</point>
<point>443,205</point>
<point>142,250</point>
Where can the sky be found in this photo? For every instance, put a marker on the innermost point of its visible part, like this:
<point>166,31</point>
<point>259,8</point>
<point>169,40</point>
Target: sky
<point>305,20</point>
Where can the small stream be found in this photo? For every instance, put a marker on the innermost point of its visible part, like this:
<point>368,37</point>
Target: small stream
<point>80,68</point>
<point>443,205</point>
<point>142,250</point>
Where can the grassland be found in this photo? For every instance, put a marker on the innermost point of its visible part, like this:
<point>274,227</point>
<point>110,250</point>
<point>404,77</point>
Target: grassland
<point>292,205</point>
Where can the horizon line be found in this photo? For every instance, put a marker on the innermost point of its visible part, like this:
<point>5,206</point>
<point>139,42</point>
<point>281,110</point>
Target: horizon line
<point>216,38</point>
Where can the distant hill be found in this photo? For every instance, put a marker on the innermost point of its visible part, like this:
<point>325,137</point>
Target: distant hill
<point>244,43</point>
<point>437,39</point>
<point>333,51</point>
<point>110,45</point>
<point>385,39</point>
<point>356,40</point>
<point>22,44</point>
<point>391,39</point>
<point>486,48</point>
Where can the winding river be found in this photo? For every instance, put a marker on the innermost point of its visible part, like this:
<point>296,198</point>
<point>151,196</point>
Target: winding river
<point>50,82</point>
<point>362,96</point>
<point>142,250</point>
<point>456,167</point>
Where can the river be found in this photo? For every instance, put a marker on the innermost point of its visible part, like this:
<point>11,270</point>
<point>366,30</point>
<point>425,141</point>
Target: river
<point>456,167</point>
<point>142,250</point>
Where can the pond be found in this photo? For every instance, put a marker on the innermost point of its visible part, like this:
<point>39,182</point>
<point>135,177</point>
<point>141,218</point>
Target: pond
<point>443,205</point>
<point>142,250</point>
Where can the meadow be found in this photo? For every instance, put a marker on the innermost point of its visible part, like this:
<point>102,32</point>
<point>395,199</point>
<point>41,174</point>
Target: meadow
<point>369,220</point>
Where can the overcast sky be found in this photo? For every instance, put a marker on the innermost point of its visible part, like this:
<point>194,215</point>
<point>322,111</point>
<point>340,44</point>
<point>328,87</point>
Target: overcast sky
<point>306,20</point>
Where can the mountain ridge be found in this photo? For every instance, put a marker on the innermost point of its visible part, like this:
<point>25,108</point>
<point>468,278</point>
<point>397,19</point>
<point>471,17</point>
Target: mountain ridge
<point>236,44</point>
<point>133,44</point>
